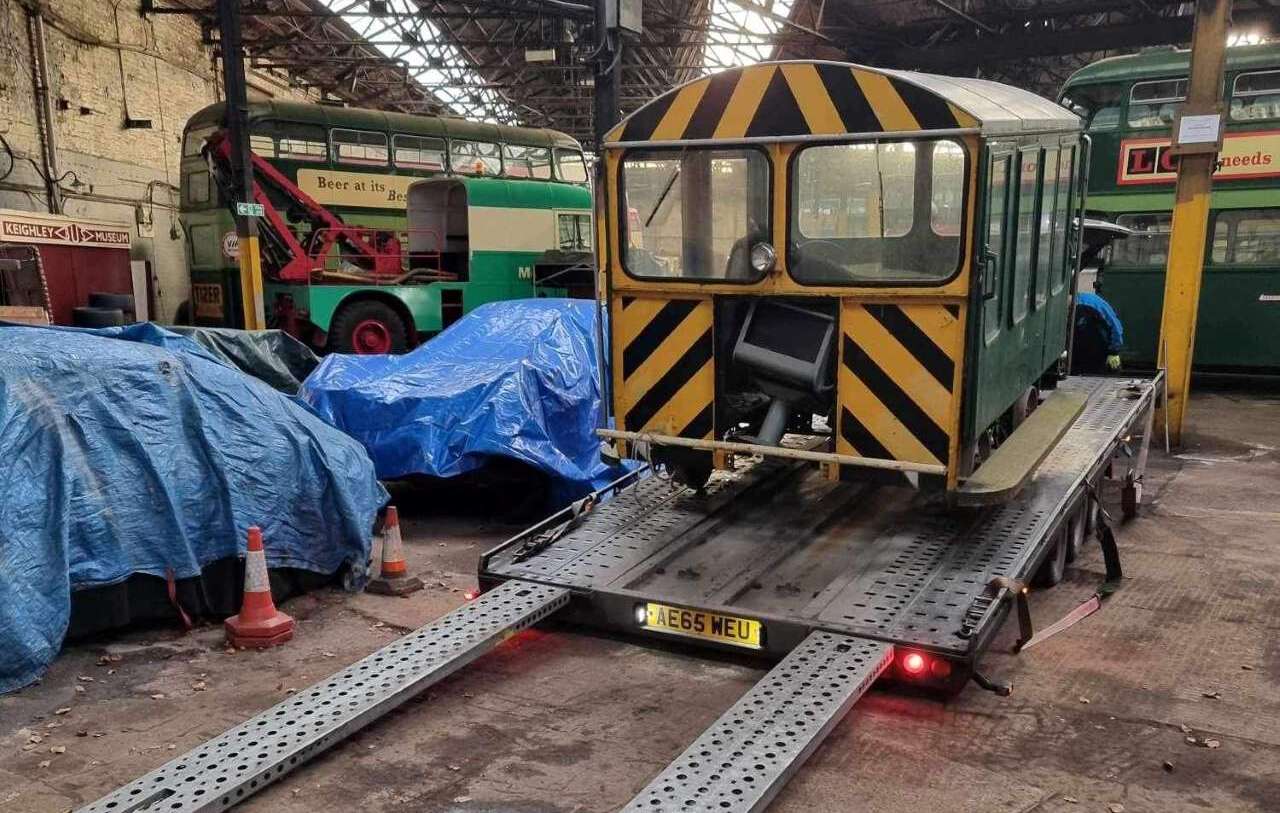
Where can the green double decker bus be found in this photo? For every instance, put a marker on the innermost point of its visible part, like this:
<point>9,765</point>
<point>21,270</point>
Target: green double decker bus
<point>514,218</point>
<point>1129,104</point>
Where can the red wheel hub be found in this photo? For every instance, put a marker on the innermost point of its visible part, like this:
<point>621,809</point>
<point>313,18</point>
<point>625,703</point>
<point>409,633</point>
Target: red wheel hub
<point>371,337</point>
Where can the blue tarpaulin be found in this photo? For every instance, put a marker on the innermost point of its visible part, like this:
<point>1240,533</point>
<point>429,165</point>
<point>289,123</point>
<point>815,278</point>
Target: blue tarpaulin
<point>510,379</point>
<point>133,450</point>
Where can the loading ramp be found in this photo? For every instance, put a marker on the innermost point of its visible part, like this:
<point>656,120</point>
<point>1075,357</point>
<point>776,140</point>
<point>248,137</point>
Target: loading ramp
<point>840,581</point>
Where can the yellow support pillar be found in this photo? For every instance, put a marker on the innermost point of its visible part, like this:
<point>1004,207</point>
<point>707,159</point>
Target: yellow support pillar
<point>1197,157</point>
<point>255,317</point>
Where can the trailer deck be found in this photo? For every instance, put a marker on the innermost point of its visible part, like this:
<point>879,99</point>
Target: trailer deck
<point>778,550</point>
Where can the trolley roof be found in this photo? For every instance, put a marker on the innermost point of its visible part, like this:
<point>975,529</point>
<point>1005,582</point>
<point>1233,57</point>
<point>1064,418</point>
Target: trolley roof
<point>801,99</point>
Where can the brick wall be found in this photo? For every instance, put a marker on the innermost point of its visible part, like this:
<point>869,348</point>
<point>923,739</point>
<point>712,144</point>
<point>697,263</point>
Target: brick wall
<point>102,66</point>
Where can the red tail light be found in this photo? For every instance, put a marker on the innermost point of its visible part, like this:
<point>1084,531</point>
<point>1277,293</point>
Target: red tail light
<point>914,664</point>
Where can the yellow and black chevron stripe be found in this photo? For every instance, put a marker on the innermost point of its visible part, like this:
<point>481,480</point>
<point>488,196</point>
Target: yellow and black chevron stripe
<point>790,99</point>
<point>899,380</point>
<point>663,362</point>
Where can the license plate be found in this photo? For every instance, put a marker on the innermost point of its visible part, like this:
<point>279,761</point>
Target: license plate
<point>208,300</point>
<point>726,629</point>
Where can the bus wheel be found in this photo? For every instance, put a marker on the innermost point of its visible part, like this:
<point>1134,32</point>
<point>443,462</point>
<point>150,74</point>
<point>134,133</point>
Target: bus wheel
<point>367,327</point>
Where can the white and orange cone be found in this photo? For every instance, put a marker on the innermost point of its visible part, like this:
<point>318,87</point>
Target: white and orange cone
<point>259,624</point>
<point>393,579</point>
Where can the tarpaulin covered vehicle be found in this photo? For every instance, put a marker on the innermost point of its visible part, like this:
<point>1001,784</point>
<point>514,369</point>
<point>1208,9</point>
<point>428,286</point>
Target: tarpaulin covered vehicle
<point>134,451</point>
<point>514,380</point>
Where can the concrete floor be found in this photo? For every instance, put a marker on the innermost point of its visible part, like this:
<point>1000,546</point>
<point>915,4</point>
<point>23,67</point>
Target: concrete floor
<point>557,720</point>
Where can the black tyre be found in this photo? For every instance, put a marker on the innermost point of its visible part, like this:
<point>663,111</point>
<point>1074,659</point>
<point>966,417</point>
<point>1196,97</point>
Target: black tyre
<point>1054,567</point>
<point>123,302</point>
<point>1077,531</point>
<point>368,327</point>
<point>97,317</point>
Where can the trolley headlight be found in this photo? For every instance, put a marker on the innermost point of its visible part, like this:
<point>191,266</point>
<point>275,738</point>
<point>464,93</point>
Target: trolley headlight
<point>763,257</point>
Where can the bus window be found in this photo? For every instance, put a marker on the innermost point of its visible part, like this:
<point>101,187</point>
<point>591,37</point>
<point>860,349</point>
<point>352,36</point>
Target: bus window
<point>1149,243</point>
<point>261,145</point>
<point>997,198</point>
<point>575,232</point>
<point>1025,234</point>
<point>301,143</point>
<point>1049,226</point>
<point>359,147</point>
<point>1256,96</point>
<point>475,158</point>
<point>198,187</point>
<point>193,141</point>
<point>1155,104</point>
<point>1098,105</point>
<point>1062,218</point>
<point>1247,237</point>
<point>527,162</point>
<point>701,210</point>
<point>417,152</point>
<point>570,166</point>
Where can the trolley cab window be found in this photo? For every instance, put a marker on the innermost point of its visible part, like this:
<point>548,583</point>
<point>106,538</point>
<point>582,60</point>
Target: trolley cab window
<point>876,213</point>
<point>695,213</point>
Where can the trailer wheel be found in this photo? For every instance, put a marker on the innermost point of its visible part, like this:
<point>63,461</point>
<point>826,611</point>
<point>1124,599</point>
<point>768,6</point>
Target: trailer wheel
<point>1054,567</point>
<point>368,327</point>
<point>1077,528</point>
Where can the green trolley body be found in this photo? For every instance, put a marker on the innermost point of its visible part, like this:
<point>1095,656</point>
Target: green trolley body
<point>1129,104</point>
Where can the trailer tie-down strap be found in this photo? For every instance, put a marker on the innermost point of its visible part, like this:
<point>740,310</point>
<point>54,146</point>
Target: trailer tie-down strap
<point>225,770</point>
<point>1027,638</point>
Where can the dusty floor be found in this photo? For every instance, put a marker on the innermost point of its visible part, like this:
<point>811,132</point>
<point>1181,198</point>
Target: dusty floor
<point>1101,716</point>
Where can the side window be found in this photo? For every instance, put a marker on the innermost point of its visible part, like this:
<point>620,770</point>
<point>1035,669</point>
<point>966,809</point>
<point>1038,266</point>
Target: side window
<point>1256,96</point>
<point>1049,228</point>
<point>527,162</point>
<point>193,141</point>
<point>574,232</point>
<point>1155,104</point>
<point>1148,246</point>
<point>198,187</point>
<point>359,147</point>
<point>997,198</point>
<point>263,145</point>
<point>1025,234</point>
<point>570,166</point>
<point>1247,237</point>
<point>418,152</point>
<point>475,158</point>
<point>1062,217</point>
<point>301,143</point>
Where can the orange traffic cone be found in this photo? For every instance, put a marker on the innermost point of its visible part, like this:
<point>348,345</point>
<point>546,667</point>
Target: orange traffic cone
<point>259,624</point>
<point>394,578</point>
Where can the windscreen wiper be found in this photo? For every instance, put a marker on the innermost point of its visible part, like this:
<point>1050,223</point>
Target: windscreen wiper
<point>666,190</point>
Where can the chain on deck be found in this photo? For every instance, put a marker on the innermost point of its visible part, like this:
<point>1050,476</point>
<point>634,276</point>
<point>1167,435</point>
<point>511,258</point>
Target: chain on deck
<point>243,760</point>
<point>742,761</point>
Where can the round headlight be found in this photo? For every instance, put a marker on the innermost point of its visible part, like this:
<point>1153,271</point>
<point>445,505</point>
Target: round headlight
<point>763,257</point>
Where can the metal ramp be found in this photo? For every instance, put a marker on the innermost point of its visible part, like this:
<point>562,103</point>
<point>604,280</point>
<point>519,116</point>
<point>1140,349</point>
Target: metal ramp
<point>741,762</point>
<point>243,760</point>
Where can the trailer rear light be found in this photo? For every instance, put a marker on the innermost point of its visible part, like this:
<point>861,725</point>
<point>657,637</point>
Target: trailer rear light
<point>941,668</point>
<point>472,594</point>
<point>914,664</point>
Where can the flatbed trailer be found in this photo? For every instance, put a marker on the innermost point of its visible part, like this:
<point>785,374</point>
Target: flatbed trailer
<point>843,582</point>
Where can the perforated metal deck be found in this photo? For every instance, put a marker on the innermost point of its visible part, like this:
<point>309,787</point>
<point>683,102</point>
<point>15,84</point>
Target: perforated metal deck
<point>780,543</point>
<point>742,761</point>
<point>243,760</point>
